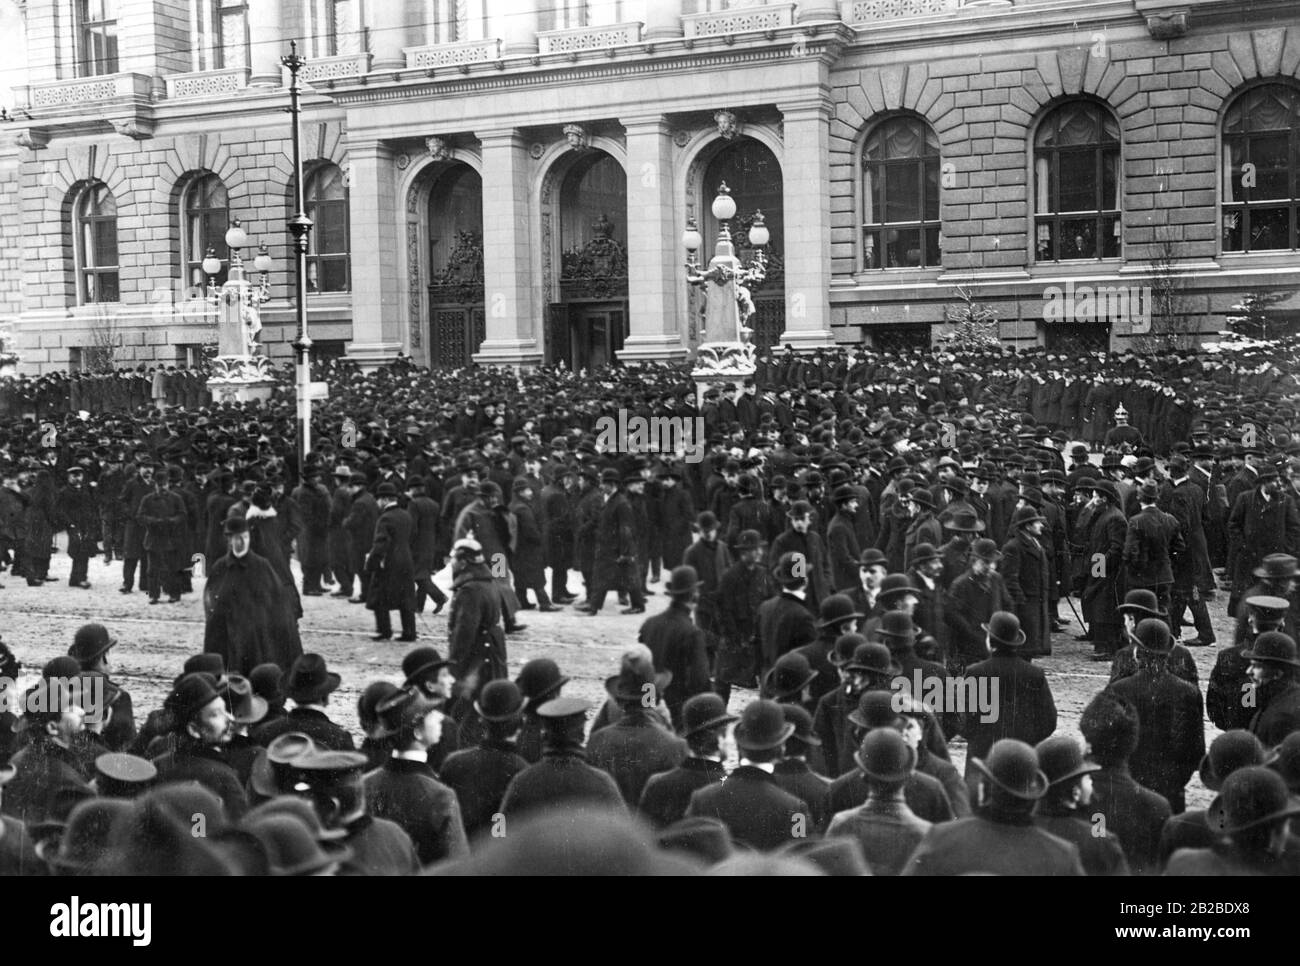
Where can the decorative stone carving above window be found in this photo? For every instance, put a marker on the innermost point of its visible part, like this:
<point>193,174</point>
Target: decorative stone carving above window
<point>1167,26</point>
<point>440,149</point>
<point>728,124</point>
<point>577,137</point>
<point>137,129</point>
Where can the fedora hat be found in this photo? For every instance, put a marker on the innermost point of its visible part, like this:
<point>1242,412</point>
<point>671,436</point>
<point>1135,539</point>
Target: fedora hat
<point>1141,603</point>
<point>1152,634</point>
<point>895,585</point>
<point>245,706</point>
<point>683,581</point>
<point>1061,759</point>
<point>962,521</point>
<point>90,641</point>
<point>703,712</point>
<point>310,680</point>
<point>499,700</point>
<point>538,681</point>
<point>193,692</point>
<point>788,677</point>
<point>1229,752</point>
<point>1004,628</point>
<point>875,710</point>
<point>1012,766</point>
<point>836,609</point>
<point>1250,797</point>
<point>1278,566</point>
<point>291,847</point>
<point>986,549</point>
<point>925,552</point>
<point>419,662</point>
<point>762,726</point>
<point>1273,647</point>
<point>870,657</point>
<point>885,756</point>
<point>273,772</point>
<point>82,845</point>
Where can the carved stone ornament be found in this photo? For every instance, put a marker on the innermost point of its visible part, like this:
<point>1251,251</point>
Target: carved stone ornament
<point>577,137</point>
<point>681,138</point>
<point>440,148</point>
<point>403,161</point>
<point>535,151</point>
<point>729,357</point>
<point>133,128</point>
<point>1167,26</point>
<point>32,139</point>
<point>728,124</point>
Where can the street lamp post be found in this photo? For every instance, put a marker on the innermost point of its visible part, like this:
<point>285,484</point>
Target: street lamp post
<point>300,228</point>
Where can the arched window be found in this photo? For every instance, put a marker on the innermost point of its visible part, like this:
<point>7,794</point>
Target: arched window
<point>900,195</point>
<point>1076,184</point>
<point>205,209</point>
<point>1261,191</point>
<point>326,198</point>
<point>95,228</point>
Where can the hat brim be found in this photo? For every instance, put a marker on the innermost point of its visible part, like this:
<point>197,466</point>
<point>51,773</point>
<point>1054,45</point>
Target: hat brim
<point>840,620</point>
<point>95,655</point>
<point>718,722</point>
<point>260,707</point>
<point>1033,794</point>
<point>893,592</point>
<point>1267,659</point>
<point>543,696</point>
<point>496,718</point>
<point>1084,768</point>
<point>894,777</point>
<point>781,695</point>
<point>1139,609</point>
<point>893,671</point>
<point>414,678</point>
<point>307,696</point>
<point>1263,572</point>
<point>747,744</point>
<point>662,680</point>
<point>1217,819</point>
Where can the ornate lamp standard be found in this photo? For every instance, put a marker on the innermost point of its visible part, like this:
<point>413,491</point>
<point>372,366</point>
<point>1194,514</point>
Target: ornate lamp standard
<point>300,228</point>
<point>239,371</point>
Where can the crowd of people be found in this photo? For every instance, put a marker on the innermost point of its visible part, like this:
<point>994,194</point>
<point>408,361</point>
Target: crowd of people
<point>870,541</point>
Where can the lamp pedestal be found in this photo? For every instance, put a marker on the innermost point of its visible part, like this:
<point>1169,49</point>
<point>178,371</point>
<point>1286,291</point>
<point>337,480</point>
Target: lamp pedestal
<point>240,373</point>
<point>726,354</point>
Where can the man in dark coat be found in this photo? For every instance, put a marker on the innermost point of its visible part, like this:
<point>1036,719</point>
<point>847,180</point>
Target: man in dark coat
<point>636,746</point>
<point>616,550</point>
<point>1263,522</point>
<point>1153,540</point>
<point>1100,579</point>
<point>476,640</point>
<point>162,513</point>
<point>1001,839</point>
<point>562,776</point>
<point>741,592</point>
<point>135,490</point>
<point>1133,814</point>
<point>1171,731</point>
<point>1025,708</point>
<point>1252,812</point>
<point>90,647</point>
<point>1026,571</point>
<point>79,515</point>
<point>796,774</point>
<point>405,790</point>
<point>313,502</point>
<point>677,645</point>
<point>424,544</point>
<point>308,684</point>
<point>749,802</point>
<point>480,775</point>
<point>528,562</point>
<point>1063,810</point>
<point>391,569</point>
<point>1273,666</point>
<point>801,539</point>
<point>47,770</point>
<point>667,794</point>
<point>1230,695</point>
<point>785,622</point>
<point>1186,502</point>
<point>971,602</point>
<point>203,726</point>
<point>555,510</point>
<point>363,515</point>
<point>340,538</point>
<point>676,513</point>
<point>842,541</point>
<point>249,620</point>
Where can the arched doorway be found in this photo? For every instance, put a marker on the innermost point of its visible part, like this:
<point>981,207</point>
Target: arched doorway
<point>457,321</point>
<point>753,175</point>
<point>588,322</point>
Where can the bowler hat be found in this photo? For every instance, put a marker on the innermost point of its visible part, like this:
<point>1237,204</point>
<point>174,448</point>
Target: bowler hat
<point>872,557</point>
<point>788,677</point>
<point>539,680</point>
<point>704,711</point>
<point>310,680</point>
<point>700,836</point>
<point>419,663</point>
<point>843,494</point>
<point>1285,760</point>
<point>1152,635</point>
<point>1250,797</point>
<point>894,585</point>
<point>1061,759</point>
<point>962,521</point>
<point>637,680</point>
<point>875,710</point>
<point>499,700</point>
<point>83,844</point>
<point>840,855</point>
<point>790,570</point>
<point>748,540</point>
<point>924,552</point>
<point>1273,647</point>
<point>245,706</point>
<point>1004,628</point>
<point>1278,566</point>
<point>885,757</point>
<point>922,497</point>
<point>90,641</point>
<point>1012,767</point>
<point>193,692</point>
<point>870,657</point>
<point>386,490</point>
<point>836,609</point>
<point>896,625</point>
<point>235,523</point>
<point>1141,603</point>
<point>1025,516</point>
<point>1230,751</point>
<point>1105,487</point>
<point>291,847</point>
<point>986,549</point>
<point>273,772</point>
<point>798,716</point>
<point>610,476</point>
<point>682,582</point>
<point>207,663</point>
<point>762,726</point>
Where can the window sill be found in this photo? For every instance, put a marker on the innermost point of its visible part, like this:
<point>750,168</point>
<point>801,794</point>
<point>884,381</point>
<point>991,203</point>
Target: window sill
<point>1078,269</point>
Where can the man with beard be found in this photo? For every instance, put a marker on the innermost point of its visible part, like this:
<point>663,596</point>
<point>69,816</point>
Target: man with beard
<point>203,729</point>
<point>48,768</point>
<point>476,640</point>
<point>391,569</point>
<point>80,517</point>
<point>249,620</point>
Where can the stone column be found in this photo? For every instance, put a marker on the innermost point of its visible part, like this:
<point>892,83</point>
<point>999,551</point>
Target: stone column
<point>814,11</point>
<point>512,332</point>
<point>266,30</point>
<point>654,255</point>
<point>663,20</point>
<point>806,178</point>
<point>520,27</point>
<point>387,36</point>
<point>377,334</point>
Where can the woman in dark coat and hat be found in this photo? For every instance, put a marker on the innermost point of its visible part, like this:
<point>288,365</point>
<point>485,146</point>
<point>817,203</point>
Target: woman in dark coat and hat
<point>250,620</point>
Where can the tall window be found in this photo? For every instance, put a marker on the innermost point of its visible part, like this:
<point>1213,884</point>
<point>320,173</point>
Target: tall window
<point>900,192</point>
<point>220,33</point>
<point>1076,184</point>
<point>96,37</point>
<point>1261,190</point>
<point>95,220</point>
<point>334,27</point>
<point>327,206</point>
<point>206,213</point>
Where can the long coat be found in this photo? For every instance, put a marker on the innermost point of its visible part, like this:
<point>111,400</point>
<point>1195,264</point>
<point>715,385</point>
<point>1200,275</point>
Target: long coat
<point>677,645</point>
<point>1256,529</point>
<point>1187,503</point>
<point>633,749</point>
<point>842,546</point>
<point>1136,815</point>
<point>667,794</point>
<point>784,624</point>
<point>476,642</point>
<point>759,813</point>
<point>424,535</point>
<point>1026,570</point>
<point>561,777</point>
<point>1154,538</point>
<point>392,581</point>
<point>1103,558</point>
<point>1025,708</point>
<point>971,601</point>
<point>817,568</point>
<point>313,543</point>
<point>982,845</point>
<point>407,792</point>
<point>529,560</point>
<point>1171,730</point>
<point>249,615</point>
<point>1278,714</point>
<point>676,512</point>
<point>479,776</point>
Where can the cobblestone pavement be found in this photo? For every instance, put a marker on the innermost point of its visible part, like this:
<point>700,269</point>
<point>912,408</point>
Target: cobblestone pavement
<point>38,623</point>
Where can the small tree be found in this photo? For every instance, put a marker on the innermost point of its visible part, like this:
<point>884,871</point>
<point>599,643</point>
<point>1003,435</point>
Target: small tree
<point>1172,326</point>
<point>1251,317</point>
<point>105,341</point>
<point>974,324</point>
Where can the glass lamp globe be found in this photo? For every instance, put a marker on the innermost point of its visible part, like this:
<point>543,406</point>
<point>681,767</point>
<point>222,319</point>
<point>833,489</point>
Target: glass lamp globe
<point>724,207</point>
<point>211,263</point>
<point>236,237</point>
<point>758,233</point>
<point>263,261</point>
<point>691,239</point>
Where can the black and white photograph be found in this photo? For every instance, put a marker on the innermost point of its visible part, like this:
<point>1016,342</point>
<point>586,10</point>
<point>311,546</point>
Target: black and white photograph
<point>651,438</point>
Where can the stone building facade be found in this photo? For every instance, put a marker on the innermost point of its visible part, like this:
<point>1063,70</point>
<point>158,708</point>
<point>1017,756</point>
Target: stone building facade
<point>509,181</point>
